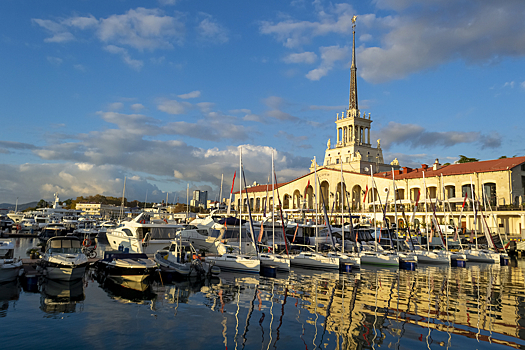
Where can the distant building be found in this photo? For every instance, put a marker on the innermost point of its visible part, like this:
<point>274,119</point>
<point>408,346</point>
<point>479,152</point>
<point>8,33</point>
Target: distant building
<point>102,210</point>
<point>200,199</point>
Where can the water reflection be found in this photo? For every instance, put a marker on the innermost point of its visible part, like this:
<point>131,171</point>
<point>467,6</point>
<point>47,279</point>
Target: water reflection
<point>9,293</point>
<point>481,306</point>
<point>58,297</point>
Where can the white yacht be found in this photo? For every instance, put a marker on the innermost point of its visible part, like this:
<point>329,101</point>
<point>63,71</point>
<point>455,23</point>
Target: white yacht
<point>140,235</point>
<point>482,255</point>
<point>314,260</point>
<point>181,258</point>
<point>281,262</point>
<point>374,254</point>
<point>234,262</point>
<point>9,266</point>
<point>63,259</point>
<point>349,258</point>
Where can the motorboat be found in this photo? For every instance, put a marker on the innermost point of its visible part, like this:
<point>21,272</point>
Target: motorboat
<point>103,229</point>
<point>209,236</point>
<point>63,259</point>
<point>181,258</point>
<point>53,230</point>
<point>59,297</point>
<point>126,268</point>
<point>141,235</point>
<point>314,260</point>
<point>10,267</point>
<point>234,262</point>
<point>280,262</point>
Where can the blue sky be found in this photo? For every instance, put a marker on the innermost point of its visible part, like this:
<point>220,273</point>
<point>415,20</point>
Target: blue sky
<point>165,92</point>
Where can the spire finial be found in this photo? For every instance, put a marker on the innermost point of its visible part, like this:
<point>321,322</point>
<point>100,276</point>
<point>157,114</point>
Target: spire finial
<point>353,73</point>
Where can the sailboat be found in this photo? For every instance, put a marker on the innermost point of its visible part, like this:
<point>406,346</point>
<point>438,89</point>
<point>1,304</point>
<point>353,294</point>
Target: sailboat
<point>375,254</point>
<point>238,262</point>
<point>476,254</point>
<point>310,259</point>
<point>279,261</point>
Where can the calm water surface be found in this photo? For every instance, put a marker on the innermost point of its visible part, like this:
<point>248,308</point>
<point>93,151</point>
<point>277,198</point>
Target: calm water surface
<point>478,307</point>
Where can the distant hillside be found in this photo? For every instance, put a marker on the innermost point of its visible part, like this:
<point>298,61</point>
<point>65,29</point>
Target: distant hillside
<point>20,206</point>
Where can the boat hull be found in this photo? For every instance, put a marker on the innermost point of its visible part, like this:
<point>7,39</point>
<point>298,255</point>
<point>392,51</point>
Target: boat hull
<point>380,260</point>
<point>9,271</point>
<point>235,263</point>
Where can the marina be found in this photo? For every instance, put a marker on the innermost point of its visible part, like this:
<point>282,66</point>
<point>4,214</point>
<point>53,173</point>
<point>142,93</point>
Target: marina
<point>434,306</point>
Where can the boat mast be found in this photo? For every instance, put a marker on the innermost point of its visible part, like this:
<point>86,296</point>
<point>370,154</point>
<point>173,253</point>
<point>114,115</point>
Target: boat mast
<point>315,195</point>
<point>374,203</point>
<point>474,209</point>
<point>220,195</point>
<point>426,211</point>
<point>273,206</point>
<point>240,197</point>
<point>341,200</point>
<point>122,205</point>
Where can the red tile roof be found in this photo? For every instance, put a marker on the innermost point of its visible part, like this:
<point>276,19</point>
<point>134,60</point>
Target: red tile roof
<point>457,169</point>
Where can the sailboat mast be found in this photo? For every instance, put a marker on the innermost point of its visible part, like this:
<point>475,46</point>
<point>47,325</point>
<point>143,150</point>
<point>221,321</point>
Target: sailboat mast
<point>122,205</point>
<point>220,195</point>
<point>395,206</point>
<point>342,209</point>
<point>240,197</point>
<point>273,206</point>
<point>374,202</point>
<point>426,210</point>
<point>315,187</point>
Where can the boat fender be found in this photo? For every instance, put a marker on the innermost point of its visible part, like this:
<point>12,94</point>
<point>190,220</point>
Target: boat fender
<point>86,243</point>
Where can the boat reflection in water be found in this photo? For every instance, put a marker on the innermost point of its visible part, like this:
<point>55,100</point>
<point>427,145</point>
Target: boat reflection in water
<point>57,297</point>
<point>9,293</point>
<point>433,306</point>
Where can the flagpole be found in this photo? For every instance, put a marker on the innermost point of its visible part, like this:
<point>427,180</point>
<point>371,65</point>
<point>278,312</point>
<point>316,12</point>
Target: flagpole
<point>395,206</point>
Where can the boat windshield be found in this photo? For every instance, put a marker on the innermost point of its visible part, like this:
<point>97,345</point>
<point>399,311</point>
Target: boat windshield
<point>66,246</point>
<point>158,232</point>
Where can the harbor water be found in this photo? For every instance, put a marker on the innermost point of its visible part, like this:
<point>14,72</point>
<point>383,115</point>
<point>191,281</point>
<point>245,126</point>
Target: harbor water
<point>481,306</point>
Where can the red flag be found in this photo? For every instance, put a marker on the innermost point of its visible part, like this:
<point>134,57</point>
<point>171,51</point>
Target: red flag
<point>233,181</point>
<point>418,195</point>
<point>464,200</point>
<point>306,189</point>
<point>366,192</point>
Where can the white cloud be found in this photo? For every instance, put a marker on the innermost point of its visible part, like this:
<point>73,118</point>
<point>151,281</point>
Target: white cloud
<point>210,31</point>
<point>141,29</point>
<point>173,106</point>
<point>54,60</point>
<point>303,57</point>
<point>126,58</point>
<point>193,94</point>
<point>137,107</point>
<point>115,106</point>
<point>329,55</point>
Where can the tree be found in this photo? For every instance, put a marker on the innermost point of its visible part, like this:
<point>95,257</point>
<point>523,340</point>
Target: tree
<point>41,204</point>
<point>463,159</point>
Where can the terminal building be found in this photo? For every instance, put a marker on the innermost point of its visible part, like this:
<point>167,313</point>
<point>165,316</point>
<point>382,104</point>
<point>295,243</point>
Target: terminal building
<point>354,176</point>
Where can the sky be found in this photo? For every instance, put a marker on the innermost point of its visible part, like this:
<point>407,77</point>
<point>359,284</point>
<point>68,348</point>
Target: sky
<point>167,93</point>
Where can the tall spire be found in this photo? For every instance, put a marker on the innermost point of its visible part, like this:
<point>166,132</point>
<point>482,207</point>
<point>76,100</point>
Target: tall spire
<point>353,78</point>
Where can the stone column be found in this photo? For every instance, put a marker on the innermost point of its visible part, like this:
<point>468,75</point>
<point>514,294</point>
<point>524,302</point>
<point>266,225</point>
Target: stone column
<point>522,217</point>
<point>368,135</point>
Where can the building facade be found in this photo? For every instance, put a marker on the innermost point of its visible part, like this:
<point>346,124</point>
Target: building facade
<point>355,177</point>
